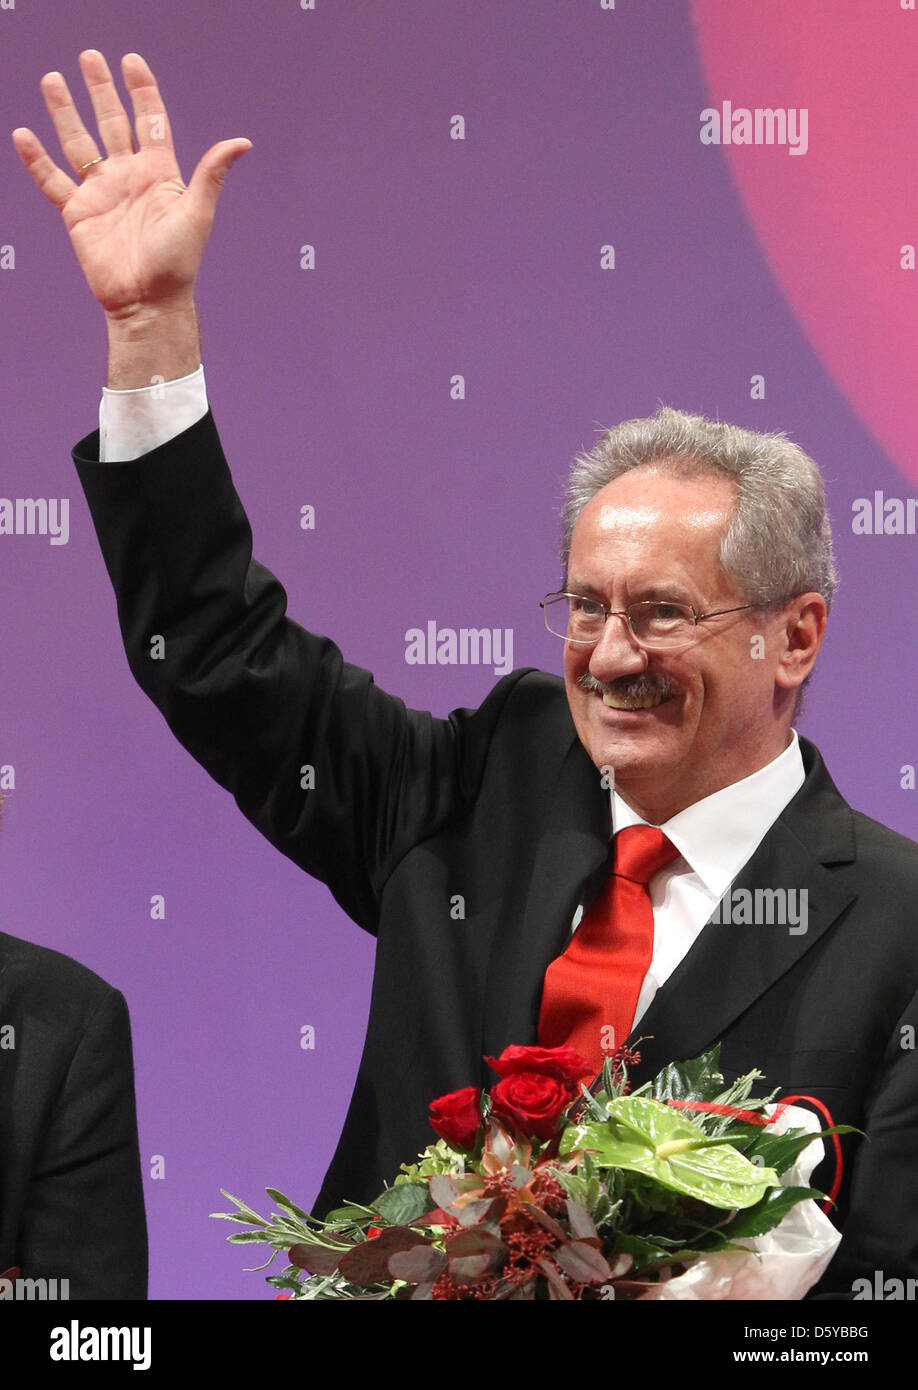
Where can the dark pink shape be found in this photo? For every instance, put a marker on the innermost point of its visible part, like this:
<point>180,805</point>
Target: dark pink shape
<point>832,221</point>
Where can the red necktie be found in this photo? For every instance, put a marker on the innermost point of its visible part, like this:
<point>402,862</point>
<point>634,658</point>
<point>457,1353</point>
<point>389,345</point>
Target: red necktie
<point>597,980</point>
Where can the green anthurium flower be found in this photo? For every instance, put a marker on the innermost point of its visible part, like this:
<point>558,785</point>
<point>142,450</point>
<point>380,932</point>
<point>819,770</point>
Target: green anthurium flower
<point>647,1136</point>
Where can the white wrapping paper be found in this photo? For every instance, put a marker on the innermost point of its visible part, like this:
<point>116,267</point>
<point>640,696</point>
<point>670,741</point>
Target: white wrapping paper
<point>780,1265</point>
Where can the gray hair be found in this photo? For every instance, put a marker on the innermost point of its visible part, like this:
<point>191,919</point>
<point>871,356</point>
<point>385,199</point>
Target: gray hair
<point>778,543</point>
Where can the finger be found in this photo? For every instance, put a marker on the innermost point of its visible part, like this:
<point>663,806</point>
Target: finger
<point>150,120</point>
<point>210,174</point>
<point>76,141</point>
<point>53,182</point>
<point>111,117</point>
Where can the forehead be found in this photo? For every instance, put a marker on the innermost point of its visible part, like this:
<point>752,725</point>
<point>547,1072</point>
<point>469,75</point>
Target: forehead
<point>650,519</point>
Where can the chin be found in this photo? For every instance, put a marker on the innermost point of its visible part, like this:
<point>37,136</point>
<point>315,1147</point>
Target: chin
<point>631,752</point>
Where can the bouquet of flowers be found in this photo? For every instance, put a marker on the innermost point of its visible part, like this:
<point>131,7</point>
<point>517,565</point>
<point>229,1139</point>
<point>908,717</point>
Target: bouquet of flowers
<point>545,1189</point>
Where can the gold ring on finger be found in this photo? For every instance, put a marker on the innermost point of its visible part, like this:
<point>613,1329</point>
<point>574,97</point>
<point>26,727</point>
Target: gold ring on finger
<point>90,163</point>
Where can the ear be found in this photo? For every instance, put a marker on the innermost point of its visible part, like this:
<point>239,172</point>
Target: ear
<point>804,620</point>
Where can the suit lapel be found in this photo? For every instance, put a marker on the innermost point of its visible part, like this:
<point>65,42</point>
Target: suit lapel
<point>568,863</point>
<point>731,964</point>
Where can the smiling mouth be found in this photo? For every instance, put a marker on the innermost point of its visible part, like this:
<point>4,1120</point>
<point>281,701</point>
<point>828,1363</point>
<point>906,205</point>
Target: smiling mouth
<point>637,693</point>
<point>634,701</point>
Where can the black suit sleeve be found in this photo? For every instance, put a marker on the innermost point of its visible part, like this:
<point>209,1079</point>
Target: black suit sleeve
<point>83,1218</point>
<point>881,1227</point>
<point>337,774</point>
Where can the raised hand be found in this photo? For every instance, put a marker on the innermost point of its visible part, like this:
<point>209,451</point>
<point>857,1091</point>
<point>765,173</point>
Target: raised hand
<point>139,233</point>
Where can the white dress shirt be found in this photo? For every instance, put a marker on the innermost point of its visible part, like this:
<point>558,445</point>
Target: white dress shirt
<point>715,837</point>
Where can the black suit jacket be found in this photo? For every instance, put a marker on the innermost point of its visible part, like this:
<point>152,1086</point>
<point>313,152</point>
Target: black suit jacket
<point>71,1196</point>
<point>464,844</point>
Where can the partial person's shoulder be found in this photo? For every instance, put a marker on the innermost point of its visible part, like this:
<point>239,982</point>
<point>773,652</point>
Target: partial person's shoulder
<point>530,695</point>
<point>887,849</point>
<point>48,980</point>
<point>526,711</point>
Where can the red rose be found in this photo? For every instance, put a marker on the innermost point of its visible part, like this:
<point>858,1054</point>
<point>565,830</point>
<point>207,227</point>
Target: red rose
<point>563,1063</point>
<point>530,1103</point>
<point>456,1117</point>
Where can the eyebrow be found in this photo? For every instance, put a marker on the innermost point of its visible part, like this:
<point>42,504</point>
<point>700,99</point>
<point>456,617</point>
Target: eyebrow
<point>651,591</point>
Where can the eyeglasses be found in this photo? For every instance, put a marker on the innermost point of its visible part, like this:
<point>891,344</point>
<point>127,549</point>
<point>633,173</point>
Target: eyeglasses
<point>652,622</point>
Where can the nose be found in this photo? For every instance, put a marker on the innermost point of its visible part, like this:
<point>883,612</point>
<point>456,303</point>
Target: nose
<point>617,653</point>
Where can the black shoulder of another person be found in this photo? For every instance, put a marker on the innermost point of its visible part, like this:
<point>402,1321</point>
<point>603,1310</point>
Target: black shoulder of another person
<point>48,978</point>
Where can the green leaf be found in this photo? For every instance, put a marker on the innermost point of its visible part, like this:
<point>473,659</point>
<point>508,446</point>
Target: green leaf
<point>573,1185</point>
<point>287,1205</point>
<point>766,1214</point>
<point>644,1251</point>
<point>402,1205</point>
<point>647,1137</point>
<point>247,1237</point>
<point>697,1079</point>
<point>602,1210</point>
<point>353,1214</point>
<point>593,1105</point>
<point>251,1216</point>
<point>780,1150</point>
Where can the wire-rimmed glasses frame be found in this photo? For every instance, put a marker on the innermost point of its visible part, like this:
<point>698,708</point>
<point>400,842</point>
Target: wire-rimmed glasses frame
<point>632,614</point>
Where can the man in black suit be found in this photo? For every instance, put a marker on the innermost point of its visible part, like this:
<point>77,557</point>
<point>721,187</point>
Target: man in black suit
<point>71,1195</point>
<point>691,624</point>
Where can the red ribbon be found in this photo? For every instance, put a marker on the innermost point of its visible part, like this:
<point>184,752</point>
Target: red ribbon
<point>754,1118</point>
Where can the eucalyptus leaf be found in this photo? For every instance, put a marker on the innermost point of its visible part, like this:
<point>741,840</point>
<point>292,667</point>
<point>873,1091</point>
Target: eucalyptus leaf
<point>581,1222</point>
<point>475,1242</point>
<point>316,1259</point>
<point>467,1268</point>
<point>557,1288</point>
<point>418,1265</point>
<point>542,1217</point>
<point>443,1191</point>
<point>368,1262</point>
<point>477,1211</point>
<point>582,1262</point>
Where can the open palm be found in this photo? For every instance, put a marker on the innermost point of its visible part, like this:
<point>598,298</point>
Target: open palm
<point>139,233</point>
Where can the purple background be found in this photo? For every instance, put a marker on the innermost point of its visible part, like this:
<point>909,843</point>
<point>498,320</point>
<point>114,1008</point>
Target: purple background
<point>331,387</point>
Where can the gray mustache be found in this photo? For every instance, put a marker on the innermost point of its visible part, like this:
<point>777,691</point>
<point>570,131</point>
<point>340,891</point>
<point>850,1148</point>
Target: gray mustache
<point>630,687</point>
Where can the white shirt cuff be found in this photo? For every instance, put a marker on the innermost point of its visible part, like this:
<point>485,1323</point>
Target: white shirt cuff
<point>132,423</point>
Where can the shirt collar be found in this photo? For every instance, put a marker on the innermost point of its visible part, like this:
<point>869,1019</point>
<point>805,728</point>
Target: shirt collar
<point>717,835</point>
